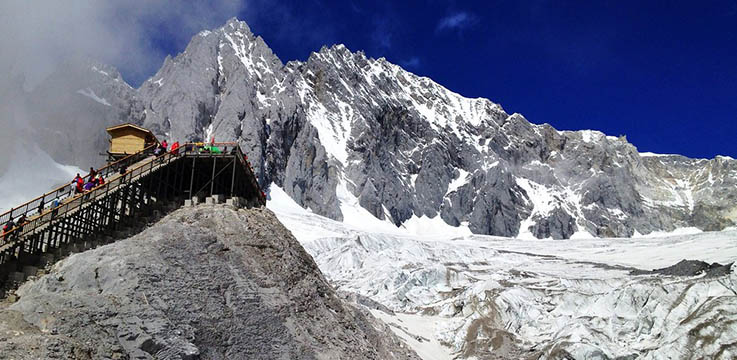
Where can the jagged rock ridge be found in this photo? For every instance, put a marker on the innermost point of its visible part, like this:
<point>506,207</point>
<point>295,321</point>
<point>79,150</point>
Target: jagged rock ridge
<point>341,124</point>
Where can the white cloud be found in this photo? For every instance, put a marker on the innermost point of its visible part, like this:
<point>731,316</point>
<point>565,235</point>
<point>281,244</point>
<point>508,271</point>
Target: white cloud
<point>36,36</point>
<point>39,36</point>
<point>457,21</point>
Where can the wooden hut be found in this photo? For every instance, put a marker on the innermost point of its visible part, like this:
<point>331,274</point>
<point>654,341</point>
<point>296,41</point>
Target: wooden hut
<point>128,139</point>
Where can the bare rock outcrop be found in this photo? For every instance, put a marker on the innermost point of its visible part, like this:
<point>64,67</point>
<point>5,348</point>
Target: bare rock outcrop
<point>210,282</point>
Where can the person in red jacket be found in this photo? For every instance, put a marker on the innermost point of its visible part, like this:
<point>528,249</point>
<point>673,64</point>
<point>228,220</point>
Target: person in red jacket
<point>74,183</point>
<point>7,228</point>
<point>162,148</point>
<point>175,148</point>
<point>80,185</point>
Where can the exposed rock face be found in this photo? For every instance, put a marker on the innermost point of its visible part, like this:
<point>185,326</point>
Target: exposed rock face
<point>209,283</point>
<point>342,123</point>
<point>69,118</point>
<point>559,225</point>
<point>692,268</point>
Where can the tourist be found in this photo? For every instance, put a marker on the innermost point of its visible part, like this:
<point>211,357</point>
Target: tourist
<point>75,184</point>
<point>78,184</point>
<point>92,174</point>
<point>162,149</point>
<point>8,228</point>
<point>54,208</point>
<point>21,222</point>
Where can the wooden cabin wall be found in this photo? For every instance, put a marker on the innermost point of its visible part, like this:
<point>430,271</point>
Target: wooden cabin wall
<point>127,141</point>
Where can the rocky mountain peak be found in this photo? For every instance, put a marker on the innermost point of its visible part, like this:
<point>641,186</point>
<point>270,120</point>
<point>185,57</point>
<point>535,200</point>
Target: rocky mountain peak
<point>341,130</point>
<point>235,25</point>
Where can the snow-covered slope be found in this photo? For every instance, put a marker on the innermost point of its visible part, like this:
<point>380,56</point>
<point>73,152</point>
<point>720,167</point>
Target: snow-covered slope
<point>30,173</point>
<point>491,296</point>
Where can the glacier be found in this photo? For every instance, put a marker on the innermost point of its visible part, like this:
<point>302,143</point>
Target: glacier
<point>476,296</point>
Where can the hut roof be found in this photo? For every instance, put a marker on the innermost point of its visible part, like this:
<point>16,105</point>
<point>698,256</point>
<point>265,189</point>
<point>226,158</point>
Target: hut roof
<point>113,129</point>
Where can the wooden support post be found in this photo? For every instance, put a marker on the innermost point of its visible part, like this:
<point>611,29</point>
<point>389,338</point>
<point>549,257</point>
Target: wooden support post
<point>158,188</point>
<point>167,181</point>
<point>114,201</point>
<point>64,232</point>
<point>212,178</point>
<point>232,178</point>
<point>179,181</point>
<point>149,194</point>
<point>60,232</point>
<point>191,179</point>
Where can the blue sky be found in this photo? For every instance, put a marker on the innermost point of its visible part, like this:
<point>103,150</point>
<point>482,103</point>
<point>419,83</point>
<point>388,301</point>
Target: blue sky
<point>664,73</point>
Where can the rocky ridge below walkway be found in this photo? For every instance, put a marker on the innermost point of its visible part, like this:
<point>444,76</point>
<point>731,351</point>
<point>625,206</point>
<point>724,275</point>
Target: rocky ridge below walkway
<point>210,282</point>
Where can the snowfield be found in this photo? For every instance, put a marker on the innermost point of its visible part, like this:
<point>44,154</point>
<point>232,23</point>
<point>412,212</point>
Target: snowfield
<point>459,295</point>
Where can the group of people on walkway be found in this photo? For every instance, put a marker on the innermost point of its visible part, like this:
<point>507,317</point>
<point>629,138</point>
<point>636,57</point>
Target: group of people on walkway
<point>10,225</point>
<point>22,219</point>
<point>200,147</point>
<point>164,147</point>
<point>80,186</point>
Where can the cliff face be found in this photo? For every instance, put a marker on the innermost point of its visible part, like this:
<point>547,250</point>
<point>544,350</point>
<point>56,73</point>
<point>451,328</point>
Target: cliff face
<point>341,124</point>
<point>207,282</point>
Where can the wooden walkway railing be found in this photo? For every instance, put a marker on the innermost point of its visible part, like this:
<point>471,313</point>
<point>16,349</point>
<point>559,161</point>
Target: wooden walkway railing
<point>190,171</point>
<point>44,201</point>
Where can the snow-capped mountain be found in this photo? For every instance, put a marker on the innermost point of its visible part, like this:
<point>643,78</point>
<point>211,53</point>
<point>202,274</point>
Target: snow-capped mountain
<point>343,125</point>
<point>386,176</point>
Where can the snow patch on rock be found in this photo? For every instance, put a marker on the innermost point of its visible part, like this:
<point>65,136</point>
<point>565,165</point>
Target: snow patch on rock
<point>91,94</point>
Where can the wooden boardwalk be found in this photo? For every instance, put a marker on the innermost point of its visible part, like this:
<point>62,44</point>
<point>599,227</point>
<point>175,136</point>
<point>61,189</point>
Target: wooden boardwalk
<point>147,184</point>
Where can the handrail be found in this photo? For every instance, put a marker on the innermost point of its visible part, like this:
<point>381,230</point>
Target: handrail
<point>61,191</point>
<point>163,158</point>
<point>13,235</point>
<point>105,168</point>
